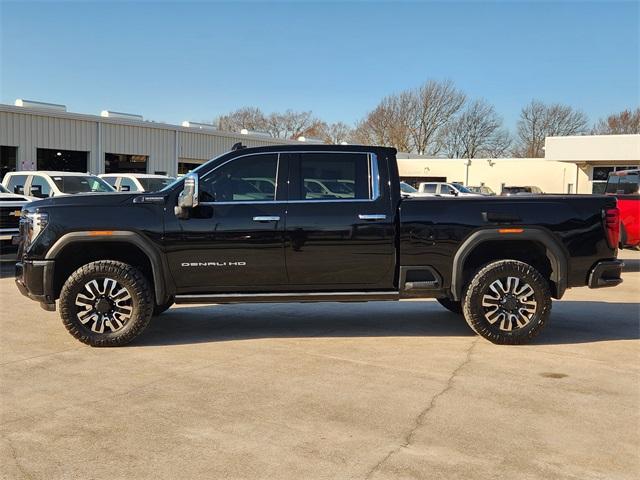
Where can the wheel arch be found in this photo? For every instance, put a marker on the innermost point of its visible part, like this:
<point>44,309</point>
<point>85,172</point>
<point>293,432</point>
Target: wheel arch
<point>554,251</point>
<point>130,243</point>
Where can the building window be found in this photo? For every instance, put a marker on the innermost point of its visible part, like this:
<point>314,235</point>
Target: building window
<point>121,163</point>
<point>186,167</point>
<point>601,174</point>
<point>8,160</point>
<point>61,160</point>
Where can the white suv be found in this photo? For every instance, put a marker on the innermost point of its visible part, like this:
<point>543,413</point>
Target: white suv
<point>443,189</point>
<point>44,184</point>
<point>137,182</point>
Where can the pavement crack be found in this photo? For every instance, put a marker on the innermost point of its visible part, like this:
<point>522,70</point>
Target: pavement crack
<point>420,419</point>
<point>19,360</point>
<point>16,459</point>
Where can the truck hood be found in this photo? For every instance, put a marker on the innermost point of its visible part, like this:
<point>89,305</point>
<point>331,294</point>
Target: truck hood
<point>85,200</point>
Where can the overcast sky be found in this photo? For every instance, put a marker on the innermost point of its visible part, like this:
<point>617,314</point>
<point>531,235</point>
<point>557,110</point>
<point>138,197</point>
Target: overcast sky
<point>193,61</point>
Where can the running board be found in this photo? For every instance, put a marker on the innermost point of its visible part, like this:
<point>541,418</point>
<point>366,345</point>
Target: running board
<point>288,297</point>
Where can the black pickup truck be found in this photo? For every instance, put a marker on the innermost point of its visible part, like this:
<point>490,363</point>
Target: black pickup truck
<point>308,224</point>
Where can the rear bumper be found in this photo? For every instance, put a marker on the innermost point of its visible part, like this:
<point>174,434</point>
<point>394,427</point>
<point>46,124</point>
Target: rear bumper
<point>34,280</point>
<point>606,274</point>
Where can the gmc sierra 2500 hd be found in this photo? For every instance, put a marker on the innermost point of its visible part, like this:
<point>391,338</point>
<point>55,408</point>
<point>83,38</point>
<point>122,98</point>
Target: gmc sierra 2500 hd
<point>251,226</point>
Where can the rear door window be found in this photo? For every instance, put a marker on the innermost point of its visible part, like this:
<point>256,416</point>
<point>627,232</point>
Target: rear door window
<point>333,176</point>
<point>430,188</point>
<point>40,187</point>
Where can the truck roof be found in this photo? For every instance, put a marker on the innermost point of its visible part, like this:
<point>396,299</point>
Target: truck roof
<point>308,147</point>
<point>51,173</point>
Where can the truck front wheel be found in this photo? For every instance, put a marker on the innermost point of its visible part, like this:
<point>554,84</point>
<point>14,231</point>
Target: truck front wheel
<point>507,302</point>
<point>106,303</point>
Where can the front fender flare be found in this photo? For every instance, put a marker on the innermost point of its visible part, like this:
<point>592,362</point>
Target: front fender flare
<point>155,258</point>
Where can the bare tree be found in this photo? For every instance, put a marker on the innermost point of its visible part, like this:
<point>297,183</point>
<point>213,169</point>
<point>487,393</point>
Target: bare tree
<point>250,118</point>
<point>335,133</point>
<point>433,105</point>
<point>538,121</point>
<point>476,132</point>
<point>287,125</point>
<point>627,122</point>
<point>499,145</point>
<point>291,124</point>
<point>412,120</point>
<point>386,124</point>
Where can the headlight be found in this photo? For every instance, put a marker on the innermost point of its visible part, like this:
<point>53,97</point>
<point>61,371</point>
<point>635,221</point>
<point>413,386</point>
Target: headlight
<point>33,223</point>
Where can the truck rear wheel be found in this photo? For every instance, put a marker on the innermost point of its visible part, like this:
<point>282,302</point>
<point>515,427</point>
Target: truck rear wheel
<point>507,302</point>
<point>106,303</point>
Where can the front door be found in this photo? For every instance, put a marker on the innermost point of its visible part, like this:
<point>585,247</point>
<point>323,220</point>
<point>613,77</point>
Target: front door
<point>340,223</point>
<point>234,240</point>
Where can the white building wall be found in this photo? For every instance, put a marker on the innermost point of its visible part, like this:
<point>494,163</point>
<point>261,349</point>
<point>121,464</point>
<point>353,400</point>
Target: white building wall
<point>550,176</point>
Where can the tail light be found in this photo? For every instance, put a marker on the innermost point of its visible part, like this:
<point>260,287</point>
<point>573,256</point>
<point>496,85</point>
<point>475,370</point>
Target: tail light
<point>612,226</point>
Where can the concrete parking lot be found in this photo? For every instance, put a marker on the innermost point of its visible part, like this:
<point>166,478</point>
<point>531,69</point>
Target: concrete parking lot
<point>380,390</point>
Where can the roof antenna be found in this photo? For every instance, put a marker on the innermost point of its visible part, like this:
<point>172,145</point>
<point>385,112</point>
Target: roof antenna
<point>237,146</point>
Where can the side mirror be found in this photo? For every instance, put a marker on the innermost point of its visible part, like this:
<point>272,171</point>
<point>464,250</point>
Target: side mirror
<point>19,189</point>
<point>188,197</point>
<point>125,188</point>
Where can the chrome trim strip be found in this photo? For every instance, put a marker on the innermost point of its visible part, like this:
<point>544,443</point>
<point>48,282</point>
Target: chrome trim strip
<point>374,179</point>
<point>284,202</point>
<point>41,263</point>
<point>294,297</point>
<point>289,294</point>
<point>374,216</point>
<point>266,218</point>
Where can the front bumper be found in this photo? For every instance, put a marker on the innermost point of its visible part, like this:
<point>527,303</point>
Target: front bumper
<point>606,274</point>
<point>34,279</point>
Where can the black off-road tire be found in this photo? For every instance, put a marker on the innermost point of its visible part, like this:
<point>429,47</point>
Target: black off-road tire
<point>142,300</point>
<point>474,312</point>
<point>451,305</point>
<point>160,309</point>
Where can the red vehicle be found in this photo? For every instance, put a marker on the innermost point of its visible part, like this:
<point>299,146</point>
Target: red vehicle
<point>625,185</point>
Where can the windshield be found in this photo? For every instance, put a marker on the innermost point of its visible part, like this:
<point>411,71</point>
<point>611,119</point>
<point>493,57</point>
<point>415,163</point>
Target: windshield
<point>623,184</point>
<point>462,188</point>
<point>155,184</point>
<point>81,184</point>
<point>406,188</point>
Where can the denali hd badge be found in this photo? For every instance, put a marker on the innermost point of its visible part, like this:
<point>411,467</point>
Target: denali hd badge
<point>213,264</point>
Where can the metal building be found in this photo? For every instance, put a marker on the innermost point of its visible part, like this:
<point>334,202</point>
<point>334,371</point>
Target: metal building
<point>39,136</point>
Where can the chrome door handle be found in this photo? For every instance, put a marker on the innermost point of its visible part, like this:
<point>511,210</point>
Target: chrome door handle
<point>266,218</point>
<point>372,217</point>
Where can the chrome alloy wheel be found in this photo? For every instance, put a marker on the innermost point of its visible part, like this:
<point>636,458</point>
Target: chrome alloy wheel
<point>104,304</point>
<point>511,302</point>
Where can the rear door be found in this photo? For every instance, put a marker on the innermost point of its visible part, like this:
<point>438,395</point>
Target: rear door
<point>344,236</point>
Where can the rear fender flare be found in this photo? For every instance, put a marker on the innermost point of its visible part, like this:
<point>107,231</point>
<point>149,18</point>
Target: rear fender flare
<point>556,253</point>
